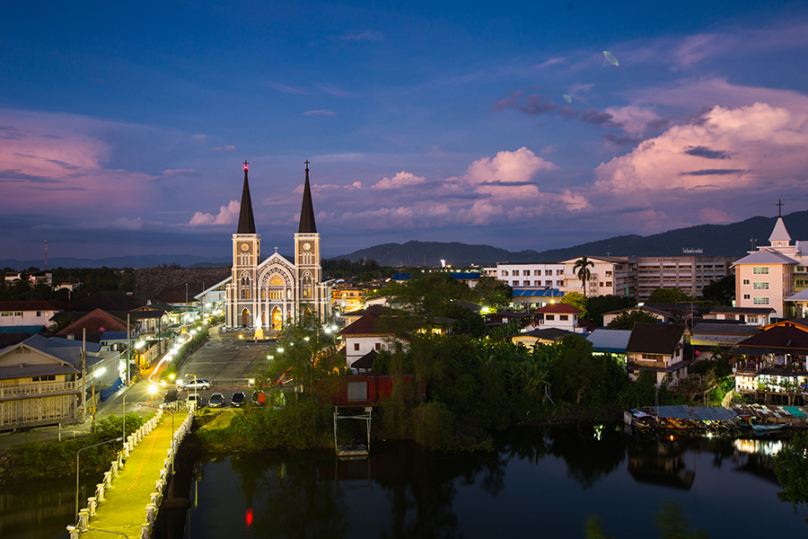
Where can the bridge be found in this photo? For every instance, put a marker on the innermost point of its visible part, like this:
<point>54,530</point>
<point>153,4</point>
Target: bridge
<point>127,501</point>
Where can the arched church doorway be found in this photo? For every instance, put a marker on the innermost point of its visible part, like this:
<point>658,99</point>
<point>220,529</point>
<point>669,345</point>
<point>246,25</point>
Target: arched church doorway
<point>245,318</point>
<point>277,319</point>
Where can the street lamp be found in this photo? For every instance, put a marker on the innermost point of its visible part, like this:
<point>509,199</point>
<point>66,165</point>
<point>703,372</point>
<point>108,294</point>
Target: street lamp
<point>77,469</point>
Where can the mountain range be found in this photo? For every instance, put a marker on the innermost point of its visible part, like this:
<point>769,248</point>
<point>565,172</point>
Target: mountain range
<point>714,240</point>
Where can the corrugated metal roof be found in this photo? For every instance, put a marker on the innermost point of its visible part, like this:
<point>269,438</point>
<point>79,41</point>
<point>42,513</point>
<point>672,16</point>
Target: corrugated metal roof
<point>697,413</point>
<point>537,293</point>
<point>610,340</point>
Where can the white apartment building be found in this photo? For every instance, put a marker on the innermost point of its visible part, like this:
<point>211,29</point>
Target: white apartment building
<point>767,277</point>
<point>526,275</point>
<point>619,275</point>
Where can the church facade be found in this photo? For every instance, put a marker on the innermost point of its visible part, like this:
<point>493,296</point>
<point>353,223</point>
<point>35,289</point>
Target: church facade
<point>269,294</point>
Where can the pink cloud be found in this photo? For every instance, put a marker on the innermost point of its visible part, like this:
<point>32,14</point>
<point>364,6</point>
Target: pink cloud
<point>227,216</point>
<point>59,160</point>
<point>519,167</point>
<point>228,148</point>
<point>747,144</point>
<point>401,179</point>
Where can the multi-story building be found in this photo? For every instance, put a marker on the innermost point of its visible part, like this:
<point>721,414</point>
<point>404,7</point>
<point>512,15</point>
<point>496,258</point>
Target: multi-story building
<point>767,277</point>
<point>529,275</point>
<point>618,275</point>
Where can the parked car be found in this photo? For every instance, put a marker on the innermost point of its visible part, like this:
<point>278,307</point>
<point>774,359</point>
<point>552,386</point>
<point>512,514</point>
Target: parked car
<point>200,402</point>
<point>171,396</point>
<point>237,399</point>
<point>217,400</point>
<point>199,383</point>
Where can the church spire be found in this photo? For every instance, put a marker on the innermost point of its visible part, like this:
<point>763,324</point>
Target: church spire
<point>307,225</point>
<point>246,222</point>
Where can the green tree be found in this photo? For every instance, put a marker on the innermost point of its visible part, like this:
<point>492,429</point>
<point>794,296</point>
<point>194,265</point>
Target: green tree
<point>791,468</point>
<point>668,295</point>
<point>577,376</point>
<point>581,269</point>
<point>627,319</point>
<point>577,300</point>
<point>597,305</point>
<point>493,292</point>
<point>720,292</point>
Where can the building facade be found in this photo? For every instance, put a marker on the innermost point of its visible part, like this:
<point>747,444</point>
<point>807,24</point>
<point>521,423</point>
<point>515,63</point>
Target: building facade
<point>268,294</point>
<point>767,277</point>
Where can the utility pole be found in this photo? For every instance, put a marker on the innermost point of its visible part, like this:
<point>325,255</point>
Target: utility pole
<point>83,375</point>
<point>128,350</point>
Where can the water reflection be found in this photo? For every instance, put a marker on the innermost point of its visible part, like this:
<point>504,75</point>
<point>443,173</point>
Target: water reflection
<point>403,491</point>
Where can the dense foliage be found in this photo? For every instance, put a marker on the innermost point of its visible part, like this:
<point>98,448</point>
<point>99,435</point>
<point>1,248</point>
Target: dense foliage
<point>341,268</point>
<point>792,471</point>
<point>37,460</point>
<point>626,320</point>
<point>92,280</point>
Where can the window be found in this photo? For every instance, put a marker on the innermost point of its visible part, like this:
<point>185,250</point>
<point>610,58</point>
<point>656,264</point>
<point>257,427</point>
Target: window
<point>746,281</point>
<point>378,346</point>
<point>559,272</point>
<point>608,274</point>
<point>39,313</point>
<point>549,317</point>
<point>601,283</point>
<point>761,301</point>
<point>760,271</point>
<point>504,273</point>
<point>548,283</point>
<point>608,283</point>
<point>563,317</point>
<point>559,283</point>
<point>746,296</point>
<point>548,272</point>
<point>356,347</point>
<point>751,319</point>
<point>729,317</point>
<point>527,283</point>
<point>515,273</point>
<point>45,378</point>
<point>536,283</point>
<point>516,283</point>
<point>761,286</point>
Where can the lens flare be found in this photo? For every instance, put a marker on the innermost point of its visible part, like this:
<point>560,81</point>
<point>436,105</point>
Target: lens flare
<point>610,58</point>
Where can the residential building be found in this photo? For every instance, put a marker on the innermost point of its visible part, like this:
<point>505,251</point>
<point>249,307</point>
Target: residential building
<point>766,277</point>
<point>610,341</point>
<point>658,348</point>
<point>527,275</point>
<point>774,361</point>
<point>371,332</point>
<point>608,275</point>
<point>557,315</point>
<point>30,313</point>
<point>663,316</point>
<point>540,336</point>
<point>707,335</point>
<point>754,316</point>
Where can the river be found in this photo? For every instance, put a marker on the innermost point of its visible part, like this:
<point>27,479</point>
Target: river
<point>538,482</point>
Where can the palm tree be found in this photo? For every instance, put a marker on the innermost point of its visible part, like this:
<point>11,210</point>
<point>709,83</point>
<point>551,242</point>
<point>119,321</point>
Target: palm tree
<point>581,268</point>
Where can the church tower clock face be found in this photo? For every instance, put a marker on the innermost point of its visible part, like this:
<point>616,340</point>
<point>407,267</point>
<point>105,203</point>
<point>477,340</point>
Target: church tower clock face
<point>245,247</point>
<point>306,246</point>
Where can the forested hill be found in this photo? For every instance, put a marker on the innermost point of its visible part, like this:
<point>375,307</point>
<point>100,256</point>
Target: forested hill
<point>715,240</point>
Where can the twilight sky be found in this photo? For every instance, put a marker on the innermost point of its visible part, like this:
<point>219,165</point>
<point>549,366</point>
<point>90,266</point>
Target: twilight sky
<point>123,125</point>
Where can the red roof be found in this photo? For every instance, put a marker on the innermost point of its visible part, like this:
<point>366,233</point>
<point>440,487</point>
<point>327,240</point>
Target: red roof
<point>97,321</point>
<point>558,308</point>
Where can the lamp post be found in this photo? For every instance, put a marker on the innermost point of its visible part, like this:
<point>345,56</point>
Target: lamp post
<point>123,418</point>
<point>77,469</point>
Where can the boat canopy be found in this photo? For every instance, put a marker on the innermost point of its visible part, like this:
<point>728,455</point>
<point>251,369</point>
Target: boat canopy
<point>697,413</point>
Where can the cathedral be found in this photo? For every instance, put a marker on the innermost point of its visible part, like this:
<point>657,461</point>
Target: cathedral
<point>268,294</point>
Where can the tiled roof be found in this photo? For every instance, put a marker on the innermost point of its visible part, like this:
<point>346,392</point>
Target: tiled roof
<point>560,308</point>
<point>366,361</point>
<point>655,338</point>
<point>554,334</point>
<point>780,337</point>
<point>94,322</point>
<point>34,305</point>
<point>366,325</point>
<point>766,256</point>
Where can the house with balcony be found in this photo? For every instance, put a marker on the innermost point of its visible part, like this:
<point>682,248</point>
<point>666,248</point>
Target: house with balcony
<point>774,361</point>
<point>658,348</point>
<point>38,387</point>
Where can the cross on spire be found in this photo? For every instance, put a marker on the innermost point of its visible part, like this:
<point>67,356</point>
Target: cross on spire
<point>245,164</point>
<point>779,208</point>
<point>307,164</point>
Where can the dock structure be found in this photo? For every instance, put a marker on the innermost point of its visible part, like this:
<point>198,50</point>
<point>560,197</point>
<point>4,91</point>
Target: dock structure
<point>128,500</point>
